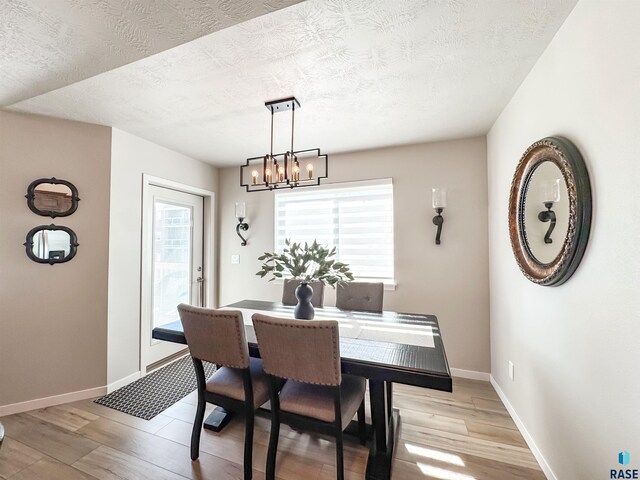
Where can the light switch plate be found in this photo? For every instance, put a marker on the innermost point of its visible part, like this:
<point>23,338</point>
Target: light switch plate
<point>235,259</point>
<point>511,370</point>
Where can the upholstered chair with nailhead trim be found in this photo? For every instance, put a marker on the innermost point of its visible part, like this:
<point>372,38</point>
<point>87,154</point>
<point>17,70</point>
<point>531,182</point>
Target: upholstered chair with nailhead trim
<point>316,396</point>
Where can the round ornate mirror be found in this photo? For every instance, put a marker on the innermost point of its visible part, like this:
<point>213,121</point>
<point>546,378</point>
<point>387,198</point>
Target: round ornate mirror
<point>51,197</point>
<point>51,244</point>
<point>550,211</point>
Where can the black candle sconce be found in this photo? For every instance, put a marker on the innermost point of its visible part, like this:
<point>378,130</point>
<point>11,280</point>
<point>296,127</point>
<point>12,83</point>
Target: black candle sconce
<point>439,202</point>
<point>242,225</point>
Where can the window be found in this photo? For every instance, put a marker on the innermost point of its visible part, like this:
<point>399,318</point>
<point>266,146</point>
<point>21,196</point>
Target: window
<point>356,218</point>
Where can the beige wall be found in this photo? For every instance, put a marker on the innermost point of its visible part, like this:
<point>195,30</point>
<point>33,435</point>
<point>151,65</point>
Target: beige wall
<point>131,158</point>
<point>575,347</point>
<point>53,324</point>
<point>449,280</point>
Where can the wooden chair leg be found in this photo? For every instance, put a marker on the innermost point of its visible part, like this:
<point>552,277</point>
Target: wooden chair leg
<point>273,445</point>
<point>362,426</point>
<point>197,430</point>
<point>339,456</point>
<point>248,445</point>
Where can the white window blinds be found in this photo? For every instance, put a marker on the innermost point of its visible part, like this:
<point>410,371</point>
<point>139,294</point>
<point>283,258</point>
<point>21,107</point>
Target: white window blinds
<point>356,218</point>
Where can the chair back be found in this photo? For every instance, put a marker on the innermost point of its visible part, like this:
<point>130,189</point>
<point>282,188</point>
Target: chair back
<point>216,336</point>
<point>302,350</point>
<point>363,296</point>
<point>289,293</point>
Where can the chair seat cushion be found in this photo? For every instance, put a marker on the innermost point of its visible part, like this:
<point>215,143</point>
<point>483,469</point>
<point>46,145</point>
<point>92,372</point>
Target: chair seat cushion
<point>228,383</point>
<point>316,401</point>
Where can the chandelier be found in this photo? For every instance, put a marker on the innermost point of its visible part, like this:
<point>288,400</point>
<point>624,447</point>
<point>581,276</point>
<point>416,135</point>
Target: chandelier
<point>294,168</point>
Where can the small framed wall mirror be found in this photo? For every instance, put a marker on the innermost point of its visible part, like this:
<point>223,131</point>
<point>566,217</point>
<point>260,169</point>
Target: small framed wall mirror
<point>550,211</point>
<point>51,244</point>
<point>51,197</point>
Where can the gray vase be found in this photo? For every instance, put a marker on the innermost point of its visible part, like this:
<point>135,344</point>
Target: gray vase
<point>304,310</point>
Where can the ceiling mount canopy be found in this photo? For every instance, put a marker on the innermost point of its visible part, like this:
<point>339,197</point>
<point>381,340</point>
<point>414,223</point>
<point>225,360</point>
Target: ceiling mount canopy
<point>293,168</point>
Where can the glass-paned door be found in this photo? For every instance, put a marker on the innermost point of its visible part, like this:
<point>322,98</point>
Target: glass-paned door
<point>176,263</point>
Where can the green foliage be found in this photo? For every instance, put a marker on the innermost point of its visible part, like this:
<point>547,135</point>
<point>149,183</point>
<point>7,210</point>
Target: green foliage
<point>306,263</point>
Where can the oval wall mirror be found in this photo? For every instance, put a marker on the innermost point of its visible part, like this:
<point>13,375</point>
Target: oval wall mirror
<point>51,197</point>
<point>51,244</point>
<point>550,211</point>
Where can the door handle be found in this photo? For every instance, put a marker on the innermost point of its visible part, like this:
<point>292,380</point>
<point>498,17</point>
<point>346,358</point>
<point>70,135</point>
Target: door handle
<point>200,281</point>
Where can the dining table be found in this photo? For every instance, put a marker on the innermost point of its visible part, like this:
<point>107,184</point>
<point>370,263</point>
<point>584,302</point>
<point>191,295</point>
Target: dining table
<point>383,347</point>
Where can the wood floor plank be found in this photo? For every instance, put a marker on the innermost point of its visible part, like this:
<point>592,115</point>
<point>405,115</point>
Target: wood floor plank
<point>431,420</point>
<point>16,456</point>
<point>159,451</point>
<point>470,445</point>
<point>449,408</point>
<point>152,426</point>
<point>185,411</point>
<point>495,433</point>
<point>490,405</point>
<point>430,458</point>
<point>106,463</point>
<point>51,469</point>
<point>65,446</point>
<point>65,416</point>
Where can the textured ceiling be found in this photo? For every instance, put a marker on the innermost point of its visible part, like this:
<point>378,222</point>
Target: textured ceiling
<point>369,73</point>
<point>47,44</point>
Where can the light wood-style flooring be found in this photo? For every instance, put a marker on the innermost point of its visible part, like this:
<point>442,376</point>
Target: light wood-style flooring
<point>465,435</point>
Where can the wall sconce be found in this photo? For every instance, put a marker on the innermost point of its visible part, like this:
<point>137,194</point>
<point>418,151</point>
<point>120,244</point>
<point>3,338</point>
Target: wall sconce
<point>439,202</point>
<point>242,225</point>
<point>550,193</point>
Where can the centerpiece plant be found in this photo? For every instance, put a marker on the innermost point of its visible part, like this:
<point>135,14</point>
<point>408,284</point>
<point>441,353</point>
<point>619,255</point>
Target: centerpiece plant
<point>306,263</point>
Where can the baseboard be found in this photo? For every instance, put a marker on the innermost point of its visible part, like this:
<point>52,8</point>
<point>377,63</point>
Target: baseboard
<point>112,387</point>
<point>51,401</point>
<point>470,374</point>
<point>546,469</point>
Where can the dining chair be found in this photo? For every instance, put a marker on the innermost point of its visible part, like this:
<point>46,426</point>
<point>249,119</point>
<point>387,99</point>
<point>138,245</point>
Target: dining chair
<point>363,296</point>
<point>239,384</point>
<point>316,396</point>
<point>289,293</point>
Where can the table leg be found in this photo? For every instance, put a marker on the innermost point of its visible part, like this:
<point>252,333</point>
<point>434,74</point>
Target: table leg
<point>217,419</point>
<point>385,421</point>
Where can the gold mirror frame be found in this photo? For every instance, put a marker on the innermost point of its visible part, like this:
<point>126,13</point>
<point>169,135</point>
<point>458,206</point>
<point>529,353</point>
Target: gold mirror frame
<point>567,158</point>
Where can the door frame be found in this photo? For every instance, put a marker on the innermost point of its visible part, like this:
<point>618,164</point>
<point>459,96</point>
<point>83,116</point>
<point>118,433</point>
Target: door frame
<point>208,253</point>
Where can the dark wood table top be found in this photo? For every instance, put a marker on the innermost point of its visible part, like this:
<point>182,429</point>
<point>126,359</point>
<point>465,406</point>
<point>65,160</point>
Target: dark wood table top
<point>412,351</point>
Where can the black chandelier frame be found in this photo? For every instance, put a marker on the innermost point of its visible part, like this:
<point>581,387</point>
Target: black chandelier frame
<point>291,176</point>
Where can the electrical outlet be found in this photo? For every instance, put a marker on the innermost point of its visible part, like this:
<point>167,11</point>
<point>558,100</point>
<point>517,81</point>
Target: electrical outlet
<point>235,259</point>
<point>511,368</point>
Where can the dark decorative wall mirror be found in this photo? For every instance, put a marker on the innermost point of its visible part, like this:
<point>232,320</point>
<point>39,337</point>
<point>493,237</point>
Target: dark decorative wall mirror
<point>51,197</point>
<point>550,211</point>
<point>51,244</point>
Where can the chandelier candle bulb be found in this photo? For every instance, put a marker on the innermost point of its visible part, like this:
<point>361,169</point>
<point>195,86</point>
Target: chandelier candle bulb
<point>254,177</point>
<point>310,170</point>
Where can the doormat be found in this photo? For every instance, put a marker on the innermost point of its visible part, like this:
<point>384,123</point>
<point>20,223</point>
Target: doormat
<point>147,397</point>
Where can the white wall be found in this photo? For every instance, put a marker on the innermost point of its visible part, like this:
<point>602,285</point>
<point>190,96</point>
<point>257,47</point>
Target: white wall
<point>449,280</point>
<point>46,309</point>
<point>576,347</point>
<point>131,158</point>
